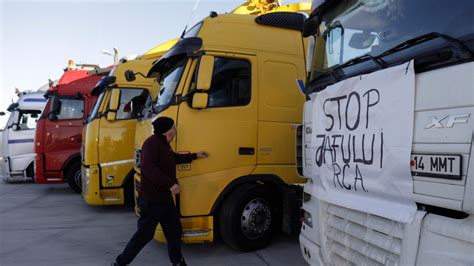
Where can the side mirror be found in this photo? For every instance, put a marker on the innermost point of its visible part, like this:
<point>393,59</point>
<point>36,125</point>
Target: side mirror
<point>114,101</point>
<point>111,115</point>
<point>361,40</point>
<point>52,116</point>
<point>114,104</point>
<point>2,113</point>
<point>129,75</point>
<point>204,77</point>
<point>55,105</point>
<point>200,100</point>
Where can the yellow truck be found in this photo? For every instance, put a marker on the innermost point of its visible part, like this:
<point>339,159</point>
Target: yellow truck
<point>107,151</point>
<point>109,133</point>
<point>230,84</point>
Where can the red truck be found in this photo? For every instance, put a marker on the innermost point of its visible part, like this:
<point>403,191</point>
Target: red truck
<point>59,130</point>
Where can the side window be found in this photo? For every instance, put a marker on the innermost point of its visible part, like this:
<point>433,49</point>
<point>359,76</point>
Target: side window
<point>230,84</point>
<point>71,109</point>
<point>131,103</point>
<point>27,119</point>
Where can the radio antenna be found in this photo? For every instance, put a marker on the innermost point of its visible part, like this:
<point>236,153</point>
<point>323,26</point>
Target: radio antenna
<point>190,17</point>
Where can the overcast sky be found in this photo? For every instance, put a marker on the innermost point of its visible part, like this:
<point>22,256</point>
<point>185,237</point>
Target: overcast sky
<point>37,38</point>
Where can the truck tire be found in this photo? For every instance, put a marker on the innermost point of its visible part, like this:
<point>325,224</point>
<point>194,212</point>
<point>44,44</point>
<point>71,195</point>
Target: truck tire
<point>247,217</point>
<point>74,178</point>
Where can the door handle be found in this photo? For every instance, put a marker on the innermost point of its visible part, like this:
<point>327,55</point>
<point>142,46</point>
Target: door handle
<point>246,151</point>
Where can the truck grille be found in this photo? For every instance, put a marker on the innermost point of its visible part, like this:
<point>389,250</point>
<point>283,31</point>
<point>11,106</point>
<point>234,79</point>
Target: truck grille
<point>299,150</point>
<point>138,157</point>
<point>357,238</point>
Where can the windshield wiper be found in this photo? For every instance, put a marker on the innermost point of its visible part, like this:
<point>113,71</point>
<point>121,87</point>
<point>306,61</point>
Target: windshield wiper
<point>380,63</point>
<point>333,72</point>
<point>462,51</point>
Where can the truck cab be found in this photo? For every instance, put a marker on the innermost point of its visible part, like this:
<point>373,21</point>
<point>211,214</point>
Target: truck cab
<point>59,131</point>
<point>230,84</point>
<point>107,161</point>
<point>354,39</point>
<point>17,155</point>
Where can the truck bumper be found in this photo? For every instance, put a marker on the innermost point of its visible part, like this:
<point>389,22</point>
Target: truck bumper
<point>310,251</point>
<point>93,194</point>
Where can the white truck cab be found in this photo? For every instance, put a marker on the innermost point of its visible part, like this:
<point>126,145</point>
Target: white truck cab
<point>360,37</point>
<point>17,137</point>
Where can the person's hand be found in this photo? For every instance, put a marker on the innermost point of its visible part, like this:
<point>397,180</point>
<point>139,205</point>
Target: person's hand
<point>175,189</point>
<point>202,154</point>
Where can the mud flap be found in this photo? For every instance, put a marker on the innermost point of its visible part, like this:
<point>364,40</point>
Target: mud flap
<point>291,205</point>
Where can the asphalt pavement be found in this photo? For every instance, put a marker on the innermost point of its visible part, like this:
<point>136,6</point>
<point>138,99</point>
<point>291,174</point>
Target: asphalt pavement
<point>51,225</point>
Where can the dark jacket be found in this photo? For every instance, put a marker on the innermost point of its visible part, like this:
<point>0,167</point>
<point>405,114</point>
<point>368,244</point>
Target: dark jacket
<point>158,168</point>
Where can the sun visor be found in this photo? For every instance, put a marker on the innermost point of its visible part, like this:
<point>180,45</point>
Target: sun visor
<point>184,47</point>
<point>102,84</point>
<point>288,20</point>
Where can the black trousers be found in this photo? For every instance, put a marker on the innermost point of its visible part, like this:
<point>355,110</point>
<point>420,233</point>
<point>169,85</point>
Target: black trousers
<point>152,213</point>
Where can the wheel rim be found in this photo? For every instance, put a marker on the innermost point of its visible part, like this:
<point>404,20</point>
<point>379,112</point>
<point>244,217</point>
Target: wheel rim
<point>78,178</point>
<point>256,218</point>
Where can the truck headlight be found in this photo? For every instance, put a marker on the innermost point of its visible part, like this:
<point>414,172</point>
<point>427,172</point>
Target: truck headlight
<point>85,180</point>
<point>307,219</point>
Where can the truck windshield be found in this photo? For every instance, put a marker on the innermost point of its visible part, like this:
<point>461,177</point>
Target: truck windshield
<point>169,82</point>
<point>95,111</point>
<point>27,119</point>
<point>353,29</point>
<point>148,109</point>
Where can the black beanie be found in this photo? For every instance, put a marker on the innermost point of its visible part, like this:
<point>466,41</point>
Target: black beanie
<point>162,124</point>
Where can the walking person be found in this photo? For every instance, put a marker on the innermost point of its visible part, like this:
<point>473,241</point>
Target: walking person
<point>158,184</point>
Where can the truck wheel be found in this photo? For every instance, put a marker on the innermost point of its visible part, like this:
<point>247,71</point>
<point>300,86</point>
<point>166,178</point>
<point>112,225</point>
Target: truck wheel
<point>247,218</point>
<point>74,178</point>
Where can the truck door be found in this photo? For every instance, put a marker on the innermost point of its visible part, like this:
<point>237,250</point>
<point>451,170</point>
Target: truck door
<point>116,138</point>
<point>227,129</point>
<point>63,136</point>
<point>21,136</point>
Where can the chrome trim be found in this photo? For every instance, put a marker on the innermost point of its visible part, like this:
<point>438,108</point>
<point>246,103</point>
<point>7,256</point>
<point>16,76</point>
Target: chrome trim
<point>116,162</point>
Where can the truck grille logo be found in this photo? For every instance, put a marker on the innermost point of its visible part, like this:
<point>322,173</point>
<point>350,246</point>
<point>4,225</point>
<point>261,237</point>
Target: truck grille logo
<point>451,120</point>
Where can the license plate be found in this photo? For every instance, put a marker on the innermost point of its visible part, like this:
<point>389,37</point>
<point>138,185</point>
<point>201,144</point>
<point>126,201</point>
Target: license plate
<point>436,165</point>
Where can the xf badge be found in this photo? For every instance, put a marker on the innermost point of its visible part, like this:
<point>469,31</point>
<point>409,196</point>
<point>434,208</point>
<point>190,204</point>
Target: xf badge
<point>450,121</point>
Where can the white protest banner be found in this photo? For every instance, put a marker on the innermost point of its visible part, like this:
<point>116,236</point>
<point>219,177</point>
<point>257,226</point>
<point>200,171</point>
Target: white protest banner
<point>362,135</point>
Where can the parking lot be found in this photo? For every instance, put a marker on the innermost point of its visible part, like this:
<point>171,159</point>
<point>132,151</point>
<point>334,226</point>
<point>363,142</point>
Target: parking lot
<point>51,225</point>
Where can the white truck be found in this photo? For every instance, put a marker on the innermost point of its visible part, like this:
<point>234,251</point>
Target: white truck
<point>17,155</point>
<point>357,38</point>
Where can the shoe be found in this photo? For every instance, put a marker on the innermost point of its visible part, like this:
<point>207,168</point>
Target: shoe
<point>181,263</point>
<point>116,264</point>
